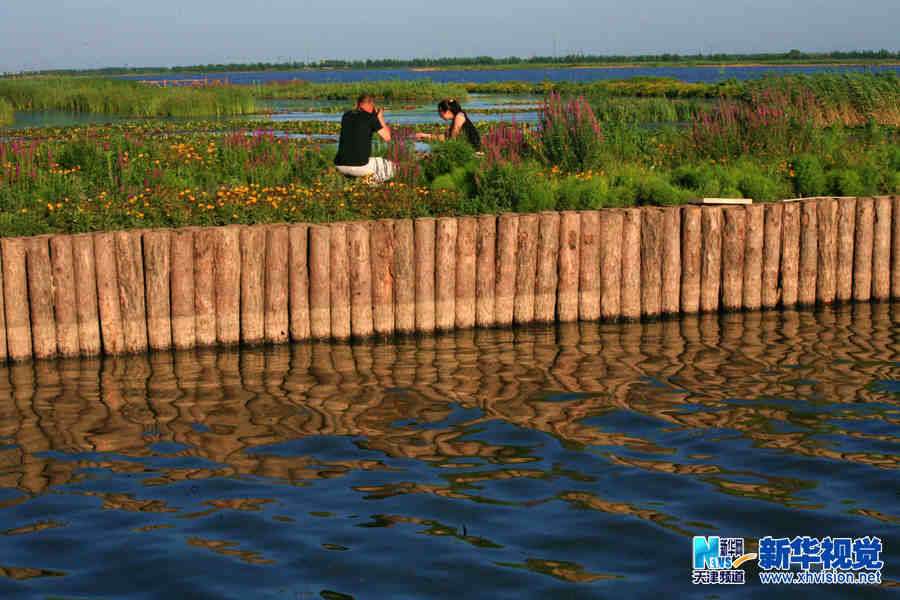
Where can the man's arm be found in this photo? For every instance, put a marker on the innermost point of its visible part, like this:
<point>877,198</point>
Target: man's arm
<point>385,131</point>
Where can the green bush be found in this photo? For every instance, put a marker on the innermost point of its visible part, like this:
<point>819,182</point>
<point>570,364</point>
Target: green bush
<point>845,182</point>
<point>510,187</point>
<point>446,156</point>
<point>759,187</point>
<point>809,176</point>
<point>577,193</point>
<point>656,191</point>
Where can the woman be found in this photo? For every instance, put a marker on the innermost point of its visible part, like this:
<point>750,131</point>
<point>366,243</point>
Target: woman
<point>450,110</point>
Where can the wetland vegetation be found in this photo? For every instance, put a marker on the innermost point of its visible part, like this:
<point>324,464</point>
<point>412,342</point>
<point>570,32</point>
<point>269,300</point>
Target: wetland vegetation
<point>590,148</point>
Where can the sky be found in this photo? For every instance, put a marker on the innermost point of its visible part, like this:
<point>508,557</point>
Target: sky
<point>43,34</point>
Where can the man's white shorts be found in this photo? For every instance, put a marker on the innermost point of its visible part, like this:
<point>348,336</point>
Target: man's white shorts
<point>379,168</point>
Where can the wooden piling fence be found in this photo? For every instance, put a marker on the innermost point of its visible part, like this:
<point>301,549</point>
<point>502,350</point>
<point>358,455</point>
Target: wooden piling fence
<point>132,291</point>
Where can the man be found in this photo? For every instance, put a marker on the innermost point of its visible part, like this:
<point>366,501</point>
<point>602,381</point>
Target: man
<point>355,143</point>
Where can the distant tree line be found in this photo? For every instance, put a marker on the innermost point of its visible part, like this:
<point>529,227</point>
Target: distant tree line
<point>791,56</point>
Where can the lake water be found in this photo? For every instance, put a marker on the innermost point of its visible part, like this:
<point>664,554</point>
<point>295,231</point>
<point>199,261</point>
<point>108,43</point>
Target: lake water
<point>549,462</point>
<point>690,74</point>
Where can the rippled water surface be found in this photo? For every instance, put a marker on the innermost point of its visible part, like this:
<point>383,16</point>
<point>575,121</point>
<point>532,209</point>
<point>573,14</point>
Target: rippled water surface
<point>558,462</point>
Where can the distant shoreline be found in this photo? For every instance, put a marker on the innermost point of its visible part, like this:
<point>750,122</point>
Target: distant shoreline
<point>889,59</point>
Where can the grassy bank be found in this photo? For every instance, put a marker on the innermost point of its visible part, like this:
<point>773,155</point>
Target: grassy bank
<point>767,147</point>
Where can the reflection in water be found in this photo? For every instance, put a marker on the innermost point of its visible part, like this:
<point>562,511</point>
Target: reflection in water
<point>561,458</point>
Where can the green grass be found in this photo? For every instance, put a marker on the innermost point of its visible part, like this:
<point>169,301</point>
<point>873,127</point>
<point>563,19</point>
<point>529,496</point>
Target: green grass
<point>123,97</point>
<point>6,112</point>
<point>384,91</point>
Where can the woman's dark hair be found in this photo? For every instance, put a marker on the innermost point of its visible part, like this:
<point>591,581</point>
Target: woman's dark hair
<point>449,104</point>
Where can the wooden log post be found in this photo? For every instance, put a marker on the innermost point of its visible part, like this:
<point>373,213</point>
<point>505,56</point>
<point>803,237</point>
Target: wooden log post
<point>863,249</point>
<point>65,299</point>
<point>132,299</point>
<point>589,282</point>
<point>486,271</point>
<point>298,281</point>
<point>631,264</point>
<point>228,284</point>
<point>670,303</point>
<point>790,254</point>
<point>205,287</point>
<point>157,279</point>
<point>771,267</point>
<point>466,245</point>
<point>424,261</point>
<point>445,274</point>
<point>40,297</point>
<point>15,290</point>
<point>382,252</point>
<point>526,268</point>
<point>895,248</point>
<point>86,308</point>
<point>846,234</point>
<point>733,244</point>
<point>826,267</point>
<point>340,283</point>
<point>319,281</point>
<point>546,278</point>
<point>359,244</point>
<point>809,253</point>
<point>4,353</point>
<point>881,249</point>
<point>404,277</point>
<point>108,294</point>
<point>651,262</point>
<point>505,290</point>
<point>691,263</point>
<point>569,266</point>
<point>710,258</point>
<point>182,289</point>
<point>277,282</point>
<point>753,257</point>
<point>611,222</point>
<point>253,282</point>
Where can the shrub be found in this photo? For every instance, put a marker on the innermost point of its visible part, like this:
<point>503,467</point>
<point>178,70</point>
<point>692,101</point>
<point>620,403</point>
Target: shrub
<point>809,176</point>
<point>581,193</point>
<point>845,182</point>
<point>446,156</point>
<point>656,191</point>
<point>506,187</point>
<point>759,187</point>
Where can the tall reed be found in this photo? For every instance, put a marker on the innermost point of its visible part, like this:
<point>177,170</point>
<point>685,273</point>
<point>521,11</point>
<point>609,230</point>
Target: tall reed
<point>124,97</point>
<point>568,135</point>
<point>773,122</point>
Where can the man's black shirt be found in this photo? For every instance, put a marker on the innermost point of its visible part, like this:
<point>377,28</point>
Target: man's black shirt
<point>355,143</point>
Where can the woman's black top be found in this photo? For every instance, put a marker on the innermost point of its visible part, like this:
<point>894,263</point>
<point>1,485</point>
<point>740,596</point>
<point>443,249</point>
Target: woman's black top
<point>468,128</point>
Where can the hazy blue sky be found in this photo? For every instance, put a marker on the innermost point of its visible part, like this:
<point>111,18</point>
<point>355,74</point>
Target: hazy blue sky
<point>43,34</point>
